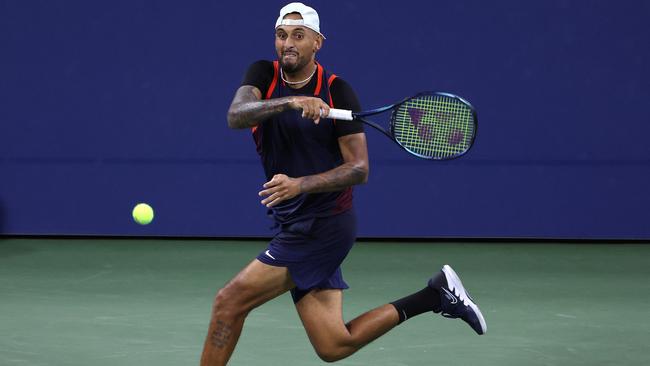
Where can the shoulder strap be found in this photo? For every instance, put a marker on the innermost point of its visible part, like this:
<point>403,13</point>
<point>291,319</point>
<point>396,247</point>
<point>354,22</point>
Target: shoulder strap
<point>274,83</point>
<point>271,89</point>
<point>329,90</point>
<point>319,81</point>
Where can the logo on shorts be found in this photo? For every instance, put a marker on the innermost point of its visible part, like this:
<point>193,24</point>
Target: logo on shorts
<point>268,254</point>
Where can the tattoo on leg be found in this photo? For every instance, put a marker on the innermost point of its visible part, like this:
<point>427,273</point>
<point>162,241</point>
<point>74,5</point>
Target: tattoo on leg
<point>221,335</point>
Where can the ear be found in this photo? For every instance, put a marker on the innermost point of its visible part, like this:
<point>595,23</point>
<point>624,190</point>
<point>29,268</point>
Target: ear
<point>318,43</point>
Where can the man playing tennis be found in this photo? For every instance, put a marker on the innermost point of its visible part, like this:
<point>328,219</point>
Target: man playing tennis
<point>311,163</point>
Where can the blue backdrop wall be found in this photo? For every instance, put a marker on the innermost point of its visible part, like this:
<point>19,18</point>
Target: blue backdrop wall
<point>105,104</point>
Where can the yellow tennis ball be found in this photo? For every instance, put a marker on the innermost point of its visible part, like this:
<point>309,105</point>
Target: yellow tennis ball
<point>142,213</point>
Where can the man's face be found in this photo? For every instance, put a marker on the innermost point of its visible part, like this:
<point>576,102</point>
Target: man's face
<point>296,45</point>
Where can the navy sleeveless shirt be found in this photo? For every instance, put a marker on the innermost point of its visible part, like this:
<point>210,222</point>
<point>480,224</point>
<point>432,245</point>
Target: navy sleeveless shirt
<point>295,146</point>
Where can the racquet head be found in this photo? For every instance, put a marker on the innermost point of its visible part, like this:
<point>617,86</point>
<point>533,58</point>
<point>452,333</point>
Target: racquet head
<point>437,126</point>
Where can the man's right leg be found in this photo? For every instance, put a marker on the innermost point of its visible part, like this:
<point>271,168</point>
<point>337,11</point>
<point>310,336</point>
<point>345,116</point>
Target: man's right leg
<point>253,286</point>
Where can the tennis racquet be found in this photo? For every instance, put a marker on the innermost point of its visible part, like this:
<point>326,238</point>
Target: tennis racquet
<point>429,125</point>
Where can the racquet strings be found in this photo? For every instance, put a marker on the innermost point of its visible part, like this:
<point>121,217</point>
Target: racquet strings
<point>434,126</point>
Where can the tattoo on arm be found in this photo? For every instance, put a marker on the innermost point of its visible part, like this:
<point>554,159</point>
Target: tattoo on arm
<point>247,110</point>
<point>221,335</point>
<point>353,171</point>
<point>339,178</point>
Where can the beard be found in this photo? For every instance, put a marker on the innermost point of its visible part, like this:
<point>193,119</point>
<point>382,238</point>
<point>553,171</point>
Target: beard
<point>291,67</point>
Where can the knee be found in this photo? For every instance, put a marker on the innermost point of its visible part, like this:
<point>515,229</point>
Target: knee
<point>332,353</point>
<point>230,301</point>
<point>328,356</point>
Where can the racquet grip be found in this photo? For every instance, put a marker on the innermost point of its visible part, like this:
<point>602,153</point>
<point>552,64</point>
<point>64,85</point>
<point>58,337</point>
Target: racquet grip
<point>341,114</point>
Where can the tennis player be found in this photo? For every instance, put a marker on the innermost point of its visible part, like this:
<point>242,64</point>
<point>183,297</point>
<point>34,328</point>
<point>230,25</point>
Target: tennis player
<point>311,163</point>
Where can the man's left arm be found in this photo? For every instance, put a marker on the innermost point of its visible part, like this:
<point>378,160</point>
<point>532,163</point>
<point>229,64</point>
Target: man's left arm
<point>353,171</point>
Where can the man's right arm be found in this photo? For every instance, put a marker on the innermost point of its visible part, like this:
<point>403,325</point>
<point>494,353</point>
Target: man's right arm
<point>248,109</point>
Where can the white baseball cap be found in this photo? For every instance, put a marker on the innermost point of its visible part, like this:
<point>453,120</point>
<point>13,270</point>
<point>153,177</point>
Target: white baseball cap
<point>309,17</point>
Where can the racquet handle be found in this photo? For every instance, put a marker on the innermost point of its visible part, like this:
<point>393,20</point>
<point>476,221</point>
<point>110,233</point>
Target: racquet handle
<point>341,114</point>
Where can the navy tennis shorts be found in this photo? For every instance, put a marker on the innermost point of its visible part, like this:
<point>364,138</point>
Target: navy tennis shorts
<point>313,250</point>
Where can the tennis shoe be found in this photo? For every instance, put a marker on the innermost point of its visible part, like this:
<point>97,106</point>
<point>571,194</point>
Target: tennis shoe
<point>455,301</point>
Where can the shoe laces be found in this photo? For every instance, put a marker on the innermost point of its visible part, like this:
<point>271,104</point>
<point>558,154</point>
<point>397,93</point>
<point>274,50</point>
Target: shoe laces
<point>463,297</point>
